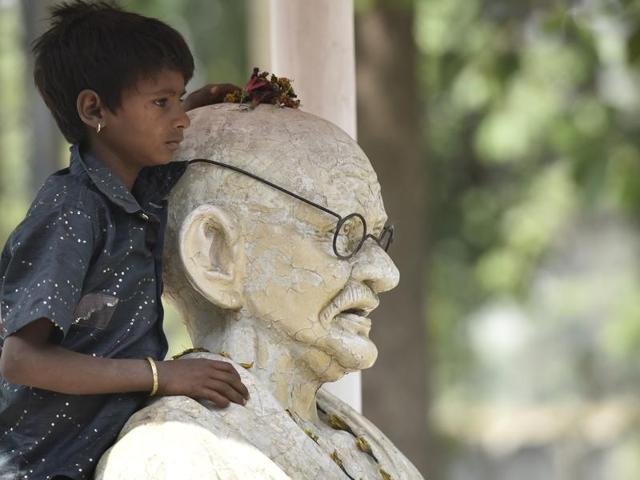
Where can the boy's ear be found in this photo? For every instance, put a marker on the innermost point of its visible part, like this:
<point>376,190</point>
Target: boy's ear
<point>212,255</point>
<point>89,107</point>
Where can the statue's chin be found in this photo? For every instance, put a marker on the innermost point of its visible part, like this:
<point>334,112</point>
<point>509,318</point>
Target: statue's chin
<point>338,356</point>
<point>354,353</point>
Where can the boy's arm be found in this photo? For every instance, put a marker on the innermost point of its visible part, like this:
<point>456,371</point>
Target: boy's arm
<point>29,358</point>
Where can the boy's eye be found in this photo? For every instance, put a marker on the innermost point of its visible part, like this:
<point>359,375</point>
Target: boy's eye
<point>160,102</point>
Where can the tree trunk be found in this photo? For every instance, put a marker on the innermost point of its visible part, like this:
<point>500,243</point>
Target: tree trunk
<point>395,389</point>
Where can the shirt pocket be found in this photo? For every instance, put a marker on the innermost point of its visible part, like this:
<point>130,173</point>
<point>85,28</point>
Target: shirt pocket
<point>95,310</point>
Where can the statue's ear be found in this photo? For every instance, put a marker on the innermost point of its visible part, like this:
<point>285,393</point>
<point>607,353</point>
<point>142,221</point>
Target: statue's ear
<point>212,255</point>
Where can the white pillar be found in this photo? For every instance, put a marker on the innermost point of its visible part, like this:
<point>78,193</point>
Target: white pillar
<point>312,43</point>
<point>259,34</point>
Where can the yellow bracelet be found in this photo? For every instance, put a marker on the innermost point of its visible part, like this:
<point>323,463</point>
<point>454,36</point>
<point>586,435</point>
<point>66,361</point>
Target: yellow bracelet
<point>154,370</point>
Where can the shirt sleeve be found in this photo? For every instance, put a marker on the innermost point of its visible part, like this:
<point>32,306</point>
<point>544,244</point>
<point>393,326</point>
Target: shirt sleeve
<point>43,267</point>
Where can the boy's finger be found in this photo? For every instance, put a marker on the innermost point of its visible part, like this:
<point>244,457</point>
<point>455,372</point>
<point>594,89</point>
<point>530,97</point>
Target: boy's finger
<point>216,398</point>
<point>228,392</point>
<point>223,89</point>
<point>225,372</point>
<point>238,385</point>
<point>225,367</point>
<point>234,381</point>
<point>240,388</point>
<point>226,377</point>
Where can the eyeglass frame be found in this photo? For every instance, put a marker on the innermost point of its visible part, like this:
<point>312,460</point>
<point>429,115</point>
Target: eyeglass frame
<point>341,219</point>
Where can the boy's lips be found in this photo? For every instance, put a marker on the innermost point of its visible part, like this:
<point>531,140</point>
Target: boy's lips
<point>173,144</point>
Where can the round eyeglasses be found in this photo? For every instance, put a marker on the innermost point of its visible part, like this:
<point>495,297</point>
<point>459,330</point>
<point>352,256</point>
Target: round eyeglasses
<point>350,231</point>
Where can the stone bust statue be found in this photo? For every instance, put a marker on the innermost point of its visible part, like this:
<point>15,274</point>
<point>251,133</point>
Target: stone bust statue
<point>262,279</point>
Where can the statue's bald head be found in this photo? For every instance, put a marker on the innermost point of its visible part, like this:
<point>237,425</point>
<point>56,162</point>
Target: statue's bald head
<point>281,246</point>
<point>294,149</point>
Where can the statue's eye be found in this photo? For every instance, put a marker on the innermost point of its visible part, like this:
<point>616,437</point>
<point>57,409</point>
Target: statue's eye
<point>350,235</point>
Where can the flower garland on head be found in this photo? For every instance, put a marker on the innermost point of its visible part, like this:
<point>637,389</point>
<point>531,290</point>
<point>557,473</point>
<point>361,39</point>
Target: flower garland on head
<point>260,89</point>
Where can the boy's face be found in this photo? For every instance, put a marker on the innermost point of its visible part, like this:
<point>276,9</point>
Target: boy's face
<point>148,126</point>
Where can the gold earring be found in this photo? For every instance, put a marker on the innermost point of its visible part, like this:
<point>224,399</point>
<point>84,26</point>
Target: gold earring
<point>99,127</point>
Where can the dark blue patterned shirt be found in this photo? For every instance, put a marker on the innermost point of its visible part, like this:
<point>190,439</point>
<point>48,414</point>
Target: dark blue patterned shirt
<point>88,256</point>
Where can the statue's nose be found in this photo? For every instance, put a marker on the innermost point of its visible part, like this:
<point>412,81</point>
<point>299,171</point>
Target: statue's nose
<point>374,267</point>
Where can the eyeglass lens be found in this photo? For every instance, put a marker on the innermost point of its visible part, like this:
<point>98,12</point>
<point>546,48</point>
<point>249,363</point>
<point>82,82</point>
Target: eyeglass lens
<point>386,237</point>
<point>351,234</point>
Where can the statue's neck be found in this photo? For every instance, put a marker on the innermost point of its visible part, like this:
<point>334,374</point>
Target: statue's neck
<point>267,355</point>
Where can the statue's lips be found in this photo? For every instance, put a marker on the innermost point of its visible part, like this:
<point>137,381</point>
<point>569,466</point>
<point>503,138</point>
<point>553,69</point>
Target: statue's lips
<point>351,307</point>
<point>354,323</point>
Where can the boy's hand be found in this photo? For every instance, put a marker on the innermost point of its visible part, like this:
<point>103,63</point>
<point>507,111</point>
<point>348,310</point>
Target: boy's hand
<point>209,94</point>
<point>201,378</point>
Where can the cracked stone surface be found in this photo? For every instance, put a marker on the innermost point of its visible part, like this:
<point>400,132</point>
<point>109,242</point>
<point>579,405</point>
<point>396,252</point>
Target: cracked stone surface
<point>253,273</point>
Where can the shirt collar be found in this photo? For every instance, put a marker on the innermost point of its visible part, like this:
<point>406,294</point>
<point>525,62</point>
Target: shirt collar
<point>104,179</point>
<point>152,183</point>
<point>155,183</point>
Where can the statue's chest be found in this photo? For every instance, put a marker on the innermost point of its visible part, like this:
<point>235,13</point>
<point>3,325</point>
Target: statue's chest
<point>344,450</point>
<point>350,450</point>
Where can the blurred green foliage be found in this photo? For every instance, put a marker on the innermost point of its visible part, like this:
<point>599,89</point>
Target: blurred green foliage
<point>13,178</point>
<point>532,125</point>
<point>216,32</point>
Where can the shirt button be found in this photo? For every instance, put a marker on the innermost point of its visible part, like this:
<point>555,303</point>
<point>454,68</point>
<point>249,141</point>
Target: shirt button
<point>144,216</point>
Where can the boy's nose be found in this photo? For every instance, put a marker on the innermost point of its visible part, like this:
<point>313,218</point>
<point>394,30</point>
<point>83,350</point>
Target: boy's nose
<point>183,120</point>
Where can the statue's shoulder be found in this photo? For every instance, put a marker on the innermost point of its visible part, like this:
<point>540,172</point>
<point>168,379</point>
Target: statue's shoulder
<point>343,416</point>
<point>179,449</point>
<point>195,440</point>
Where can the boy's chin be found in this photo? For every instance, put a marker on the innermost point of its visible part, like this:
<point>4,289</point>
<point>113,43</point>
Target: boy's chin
<point>158,160</point>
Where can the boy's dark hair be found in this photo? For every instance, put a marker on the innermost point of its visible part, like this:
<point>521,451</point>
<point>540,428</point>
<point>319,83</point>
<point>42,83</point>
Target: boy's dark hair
<point>99,46</point>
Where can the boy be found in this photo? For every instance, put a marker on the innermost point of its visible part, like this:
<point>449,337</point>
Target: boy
<point>81,276</point>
